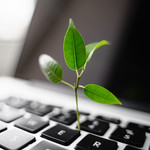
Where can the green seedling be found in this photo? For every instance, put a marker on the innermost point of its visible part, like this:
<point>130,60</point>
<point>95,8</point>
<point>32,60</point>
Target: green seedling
<point>77,55</point>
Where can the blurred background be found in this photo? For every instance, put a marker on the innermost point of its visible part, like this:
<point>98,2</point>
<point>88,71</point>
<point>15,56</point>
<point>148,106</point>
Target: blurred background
<point>32,27</point>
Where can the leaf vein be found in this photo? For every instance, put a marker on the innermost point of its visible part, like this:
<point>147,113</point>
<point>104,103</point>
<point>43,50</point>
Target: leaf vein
<point>105,97</point>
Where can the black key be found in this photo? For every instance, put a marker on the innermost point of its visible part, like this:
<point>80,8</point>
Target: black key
<point>17,102</point>
<point>80,113</point>
<point>2,127</point>
<point>141,126</point>
<point>95,126</point>
<point>61,134</point>
<point>32,123</point>
<point>44,145</point>
<point>38,108</point>
<point>109,119</point>
<point>135,137</point>
<point>65,117</point>
<point>91,142</point>
<point>15,139</point>
<point>8,114</point>
<point>131,148</point>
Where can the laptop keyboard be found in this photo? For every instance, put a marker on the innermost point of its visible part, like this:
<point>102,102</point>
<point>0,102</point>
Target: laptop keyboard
<point>23,123</point>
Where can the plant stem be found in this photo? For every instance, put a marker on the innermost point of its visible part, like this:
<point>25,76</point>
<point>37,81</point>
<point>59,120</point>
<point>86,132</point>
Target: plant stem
<point>67,83</point>
<point>81,86</point>
<point>77,110</point>
<point>76,86</point>
<point>83,69</point>
<point>77,73</point>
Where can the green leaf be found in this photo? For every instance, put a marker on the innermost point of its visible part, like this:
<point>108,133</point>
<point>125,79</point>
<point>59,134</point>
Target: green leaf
<point>74,48</point>
<point>50,68</point>
<point>100,95</point>
<point>90,48</point>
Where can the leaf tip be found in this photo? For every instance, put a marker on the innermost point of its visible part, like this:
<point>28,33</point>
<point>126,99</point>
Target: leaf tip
<point>43,59</point>
<point>109,43</point>
<point>119,103</point>
<point>71,24</point>
<point>106,42</point>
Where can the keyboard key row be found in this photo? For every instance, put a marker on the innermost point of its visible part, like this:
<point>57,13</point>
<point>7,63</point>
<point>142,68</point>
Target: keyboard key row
<point>42,109</point>
<point>16,139</point>
<point>65,136</point>
<point>90,142</point>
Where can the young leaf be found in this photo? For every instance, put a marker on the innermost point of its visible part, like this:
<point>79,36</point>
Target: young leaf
<point>100,94</point>
<point>90,48</point>
<point>74,48</point>
<point>50,68</point>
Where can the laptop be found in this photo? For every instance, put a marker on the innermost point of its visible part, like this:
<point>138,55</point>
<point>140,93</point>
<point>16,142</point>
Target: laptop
<point>39,115</point>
